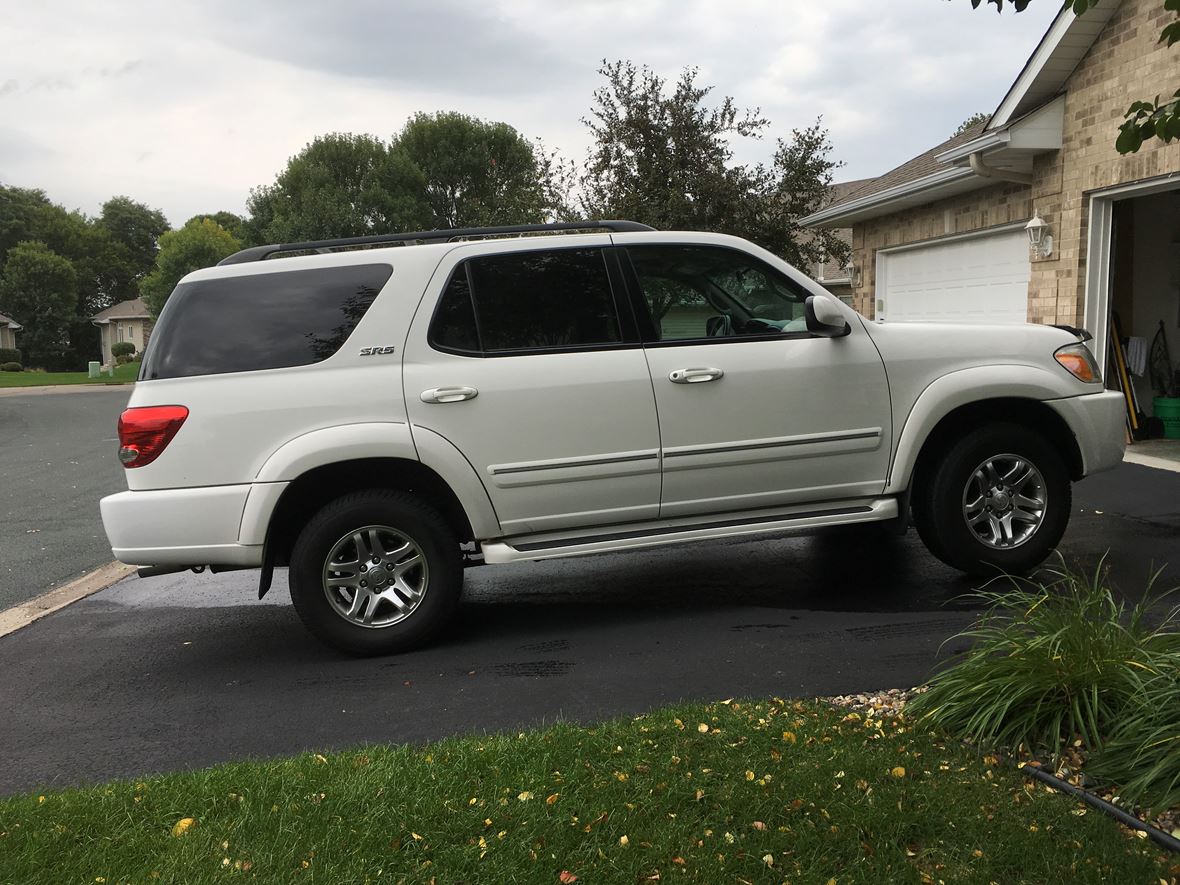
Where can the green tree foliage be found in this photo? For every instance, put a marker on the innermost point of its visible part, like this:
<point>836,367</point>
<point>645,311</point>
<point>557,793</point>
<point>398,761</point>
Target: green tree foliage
<point>234,224</point>
<point>135,230</point>
<point>200,243</point>
<point>340,185</point>
<point>476,173</point>
<point>40,287</point>
<point>1145,119</point>
<point>974,120</point>
<point>663,157</point>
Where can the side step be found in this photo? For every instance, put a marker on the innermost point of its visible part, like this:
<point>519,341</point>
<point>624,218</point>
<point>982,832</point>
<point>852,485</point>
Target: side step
<point>554,545</point>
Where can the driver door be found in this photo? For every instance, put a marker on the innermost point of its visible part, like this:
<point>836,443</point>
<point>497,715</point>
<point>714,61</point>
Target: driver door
<point>753,411</point>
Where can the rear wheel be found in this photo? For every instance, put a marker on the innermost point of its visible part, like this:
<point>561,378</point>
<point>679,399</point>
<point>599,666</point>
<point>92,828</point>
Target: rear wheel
<point>375,573</point>
<point>998,501</point>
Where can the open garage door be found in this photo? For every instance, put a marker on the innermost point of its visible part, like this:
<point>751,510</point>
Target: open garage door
<point>977,279</point>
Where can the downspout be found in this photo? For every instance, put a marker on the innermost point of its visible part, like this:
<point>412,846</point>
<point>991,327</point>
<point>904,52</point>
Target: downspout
<point>984,171</point>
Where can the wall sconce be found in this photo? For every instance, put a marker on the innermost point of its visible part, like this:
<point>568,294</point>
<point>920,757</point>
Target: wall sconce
<point>1038,236</point>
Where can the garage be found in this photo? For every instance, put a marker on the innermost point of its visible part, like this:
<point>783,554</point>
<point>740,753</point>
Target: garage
<point>981,278</point>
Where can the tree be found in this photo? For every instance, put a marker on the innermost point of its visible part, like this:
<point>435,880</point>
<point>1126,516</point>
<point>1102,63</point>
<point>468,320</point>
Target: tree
<point>665,159</point>
<point>235,225</point>
<point>40,287</point>
<point>137,229</point>
<point>339,185</point>
<point>200,243</point>
<point>476,173</point>
<point>974,120</point>
<point>1145,119</point>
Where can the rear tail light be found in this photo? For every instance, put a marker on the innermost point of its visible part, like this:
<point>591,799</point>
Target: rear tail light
<point>145,432</point>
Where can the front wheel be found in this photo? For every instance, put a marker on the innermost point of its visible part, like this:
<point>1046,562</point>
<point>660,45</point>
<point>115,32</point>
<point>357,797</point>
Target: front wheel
<point>375,573</point>
<point>997,502</point>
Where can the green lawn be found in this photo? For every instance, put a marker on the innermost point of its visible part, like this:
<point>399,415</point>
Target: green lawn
<point>124,374</point>
<point>731,792</point>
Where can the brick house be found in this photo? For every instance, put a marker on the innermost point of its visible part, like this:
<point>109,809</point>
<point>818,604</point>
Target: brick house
<point>8,329</point>
<point>942,237</point>
<point>125,321</point>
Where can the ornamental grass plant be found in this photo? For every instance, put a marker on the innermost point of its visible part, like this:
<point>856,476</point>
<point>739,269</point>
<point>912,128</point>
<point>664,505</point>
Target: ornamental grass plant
<point>1058,660</point>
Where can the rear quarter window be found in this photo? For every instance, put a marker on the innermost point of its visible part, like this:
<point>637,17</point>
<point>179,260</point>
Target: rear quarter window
<point>260,321</point>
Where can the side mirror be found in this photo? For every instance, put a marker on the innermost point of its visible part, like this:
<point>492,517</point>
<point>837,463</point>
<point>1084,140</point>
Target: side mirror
<point>824,317</point>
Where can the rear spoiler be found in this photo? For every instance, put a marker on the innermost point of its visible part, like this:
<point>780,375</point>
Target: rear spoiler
<point>1082,334</point>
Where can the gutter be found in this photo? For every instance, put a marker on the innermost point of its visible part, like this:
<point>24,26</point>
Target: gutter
<point>897,192</point>
<point>975,160</point>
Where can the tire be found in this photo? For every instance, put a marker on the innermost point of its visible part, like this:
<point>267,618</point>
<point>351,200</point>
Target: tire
<point>408,580</point>
<point>999,519</point>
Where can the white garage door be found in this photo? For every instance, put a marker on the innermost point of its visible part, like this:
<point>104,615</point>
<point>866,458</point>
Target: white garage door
<point>974,280</point>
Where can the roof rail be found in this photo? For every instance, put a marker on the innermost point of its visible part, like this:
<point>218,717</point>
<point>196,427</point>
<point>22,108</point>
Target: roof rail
<point>260,253</point>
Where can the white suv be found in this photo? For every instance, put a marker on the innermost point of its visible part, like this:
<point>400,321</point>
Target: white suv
<point>378,412</point>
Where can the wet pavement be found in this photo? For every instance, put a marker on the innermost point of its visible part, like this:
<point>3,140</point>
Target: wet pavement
<point>185,671</point>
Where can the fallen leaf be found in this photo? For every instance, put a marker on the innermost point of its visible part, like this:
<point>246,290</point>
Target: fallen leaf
<point>703,728</point>
<point>624,841</point>
<point>758,825</point>
<point>524,796</point>
<point>789,737</point>
<point>566,877</point>
<point>551,798</point>
<point>182,826</point>
<point>899,771</point>
<point>768,859</point>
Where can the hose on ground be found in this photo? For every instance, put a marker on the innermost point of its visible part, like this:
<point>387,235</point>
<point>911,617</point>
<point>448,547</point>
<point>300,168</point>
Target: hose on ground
<point>1157,836</point>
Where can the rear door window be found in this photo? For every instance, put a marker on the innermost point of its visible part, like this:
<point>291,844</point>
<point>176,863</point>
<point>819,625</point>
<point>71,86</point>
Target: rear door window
<point>554,299</point>
<point>260,321</point>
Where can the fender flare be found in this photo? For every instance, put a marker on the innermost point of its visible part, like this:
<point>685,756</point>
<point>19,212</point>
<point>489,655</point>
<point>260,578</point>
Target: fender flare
<point>963,387</point>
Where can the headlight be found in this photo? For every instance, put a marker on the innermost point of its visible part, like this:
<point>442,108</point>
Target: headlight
<point>1079,362</point>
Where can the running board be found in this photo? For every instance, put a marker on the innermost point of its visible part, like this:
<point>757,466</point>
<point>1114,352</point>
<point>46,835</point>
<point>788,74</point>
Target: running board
<point>554,545</point>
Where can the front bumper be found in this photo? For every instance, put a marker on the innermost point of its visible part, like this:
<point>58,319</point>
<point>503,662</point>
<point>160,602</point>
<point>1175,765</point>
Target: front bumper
<point>1098,422</point>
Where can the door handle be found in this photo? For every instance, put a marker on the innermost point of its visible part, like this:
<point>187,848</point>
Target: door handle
<point>448,394</point>
<point>694,376</point>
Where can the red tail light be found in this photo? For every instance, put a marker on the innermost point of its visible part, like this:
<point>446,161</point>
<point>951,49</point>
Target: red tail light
<point>145,432</point>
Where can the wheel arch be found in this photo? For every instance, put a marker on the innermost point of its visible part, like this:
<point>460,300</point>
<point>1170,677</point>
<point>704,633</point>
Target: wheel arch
<point>1032,414</point>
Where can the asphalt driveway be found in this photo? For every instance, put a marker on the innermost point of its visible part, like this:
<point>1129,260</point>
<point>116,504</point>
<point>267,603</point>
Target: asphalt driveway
<point>184,671</point>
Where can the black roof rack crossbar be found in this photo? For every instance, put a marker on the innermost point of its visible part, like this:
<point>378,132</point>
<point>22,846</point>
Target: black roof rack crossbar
<point>260,253</point>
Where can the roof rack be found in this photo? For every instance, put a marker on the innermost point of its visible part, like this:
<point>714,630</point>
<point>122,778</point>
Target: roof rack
<point>260,253</point>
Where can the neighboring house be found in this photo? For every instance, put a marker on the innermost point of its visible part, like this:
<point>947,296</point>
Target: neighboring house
<point>8,329</point>
<point>836,276</point>
<point>943,236</point>
<point>126,321</point>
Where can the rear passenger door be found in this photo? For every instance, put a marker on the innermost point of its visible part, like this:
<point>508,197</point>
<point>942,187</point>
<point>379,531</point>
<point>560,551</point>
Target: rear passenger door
<point>523,360</point>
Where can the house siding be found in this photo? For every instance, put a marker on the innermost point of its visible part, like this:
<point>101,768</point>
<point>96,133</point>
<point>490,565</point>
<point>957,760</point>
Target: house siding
<point>1126,63</point>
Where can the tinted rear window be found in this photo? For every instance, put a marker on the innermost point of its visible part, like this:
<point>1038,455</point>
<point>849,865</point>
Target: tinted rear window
<point>260,321</point>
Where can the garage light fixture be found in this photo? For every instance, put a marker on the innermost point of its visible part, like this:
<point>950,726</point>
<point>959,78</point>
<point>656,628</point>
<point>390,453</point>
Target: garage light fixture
<point>1038,236</point>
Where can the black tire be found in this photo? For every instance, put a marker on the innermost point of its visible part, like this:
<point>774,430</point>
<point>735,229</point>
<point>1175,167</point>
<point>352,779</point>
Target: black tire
<point>439,577</point>
<point>941,501</point>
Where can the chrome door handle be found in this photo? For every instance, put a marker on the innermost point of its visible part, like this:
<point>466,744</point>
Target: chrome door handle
<point>448,394</point>
<point>694,376</point>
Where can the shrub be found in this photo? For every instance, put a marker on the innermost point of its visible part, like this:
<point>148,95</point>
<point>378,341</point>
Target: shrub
<point>1142,754</point>
<point>11,367</point>
<point>122,348</point>
<point>9,355</point>
<point>1051,662</point>
<point>123,359</point>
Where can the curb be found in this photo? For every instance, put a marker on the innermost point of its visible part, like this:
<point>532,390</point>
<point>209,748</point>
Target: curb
<point>25,613</point>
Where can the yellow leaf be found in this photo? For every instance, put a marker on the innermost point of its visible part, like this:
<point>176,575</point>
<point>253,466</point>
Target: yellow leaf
<point>700,795</point>
<point>727,701</point>
<point>40,800</point>
<point>749,775</point>
<point>415,836</point>
<point>789,737</point>
<point>182,826</point>
<point>768,859</point>
<point>679,724</point>
<point>525,796</point>
<point>321,759</point>
<point>899,771</point>
<point>703,728</point>
<point>551,798</point>
<point>624,841</point>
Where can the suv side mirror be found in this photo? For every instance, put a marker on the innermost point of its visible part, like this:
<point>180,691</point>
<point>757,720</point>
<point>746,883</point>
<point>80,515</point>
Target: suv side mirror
<point>824,317</point>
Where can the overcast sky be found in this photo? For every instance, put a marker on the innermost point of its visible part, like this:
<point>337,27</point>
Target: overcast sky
<point>186,106</point>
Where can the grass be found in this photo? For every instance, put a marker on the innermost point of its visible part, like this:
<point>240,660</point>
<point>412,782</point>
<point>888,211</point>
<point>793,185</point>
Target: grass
<point>1051,663</point>
<point>1142,754</point>
<point>729,792</point>
<point>125,374</point>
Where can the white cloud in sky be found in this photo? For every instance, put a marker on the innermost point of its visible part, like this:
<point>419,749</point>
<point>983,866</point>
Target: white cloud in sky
<point>186,106</point>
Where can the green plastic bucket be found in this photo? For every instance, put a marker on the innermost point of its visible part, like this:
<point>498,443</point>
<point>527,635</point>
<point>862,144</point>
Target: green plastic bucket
<point>1167,409</point>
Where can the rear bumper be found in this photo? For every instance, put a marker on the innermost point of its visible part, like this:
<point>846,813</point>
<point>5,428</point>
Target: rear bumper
<point>1098,422</point>
<point>200,526</point>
